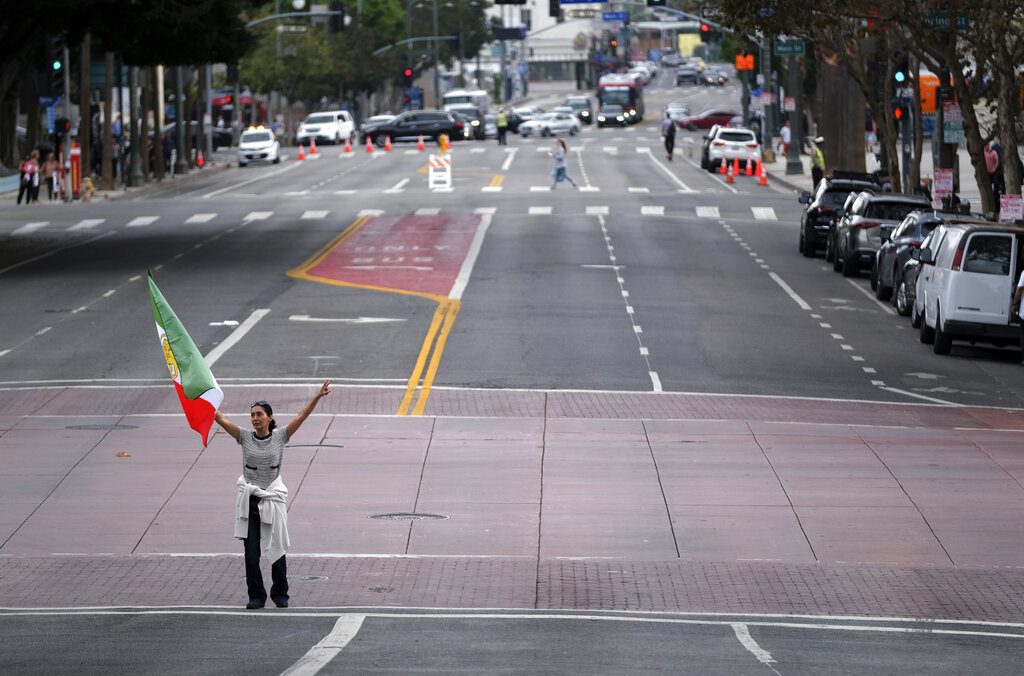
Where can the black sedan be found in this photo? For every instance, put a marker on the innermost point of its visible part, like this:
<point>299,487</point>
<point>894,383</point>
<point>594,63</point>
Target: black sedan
<point>896,248</point>
<point>611,115</point>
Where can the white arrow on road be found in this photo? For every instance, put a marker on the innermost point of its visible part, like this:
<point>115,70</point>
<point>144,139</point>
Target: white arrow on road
<point>924,376</point>
<point>346,320</point>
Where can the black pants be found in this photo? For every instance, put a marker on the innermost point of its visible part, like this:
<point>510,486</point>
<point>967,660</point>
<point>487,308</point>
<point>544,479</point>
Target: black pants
<point>25,189</point>
<point>501,135</point>
<point>816,176</point>
<point>670,144</point>
<point>253,576</point>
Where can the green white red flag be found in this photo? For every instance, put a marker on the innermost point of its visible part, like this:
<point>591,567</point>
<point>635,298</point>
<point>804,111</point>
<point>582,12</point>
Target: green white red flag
<point>197,389</point>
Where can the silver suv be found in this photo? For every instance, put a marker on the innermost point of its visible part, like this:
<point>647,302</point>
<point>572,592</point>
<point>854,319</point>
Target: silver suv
<point>858,232</point>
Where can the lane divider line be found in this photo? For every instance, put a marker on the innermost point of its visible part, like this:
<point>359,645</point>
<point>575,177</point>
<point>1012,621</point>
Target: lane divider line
<point>235,336</point>
<point>320,655</point>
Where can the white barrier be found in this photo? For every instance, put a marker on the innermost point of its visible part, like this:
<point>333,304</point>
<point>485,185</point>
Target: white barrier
<point>439,175</point>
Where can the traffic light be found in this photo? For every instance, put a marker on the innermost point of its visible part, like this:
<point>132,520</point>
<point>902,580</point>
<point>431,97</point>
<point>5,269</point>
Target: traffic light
<point>554,8</point>
<point>902,72</point>
<point>899,111</point>
<point>407,76</point>
<point>705,32</point>
<point>336,24</point>
<point>613,42</point>
<point>58,68</point>
<point>61,126</point>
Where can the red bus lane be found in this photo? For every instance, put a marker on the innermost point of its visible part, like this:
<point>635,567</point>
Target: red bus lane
<point>428,256</point>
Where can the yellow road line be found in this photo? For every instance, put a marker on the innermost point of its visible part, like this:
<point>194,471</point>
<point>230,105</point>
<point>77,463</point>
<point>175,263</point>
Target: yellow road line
<point>497,180</point>
<point>421,360</point>
<point>302,269</point>
<point>452,311</point>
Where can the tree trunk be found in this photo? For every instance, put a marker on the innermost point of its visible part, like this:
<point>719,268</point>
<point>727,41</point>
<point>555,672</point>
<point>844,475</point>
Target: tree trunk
<point>1008,112</point>
<point>201,111</point>
<point>888,134</point>
<point>972,134</point>
<point>10,154</point>
<point>185,116</point>
<point>144,142</point>
<point>841,103</point>
<point>85,107</point>
<point>107,151</point>
<point>914,174</point>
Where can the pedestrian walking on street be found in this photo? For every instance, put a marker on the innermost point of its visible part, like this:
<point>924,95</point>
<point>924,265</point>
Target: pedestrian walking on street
<point>261,518</point>
<point>501,121</point>
<point>817,162</point>
<point>668,134</point>
<point>559,172</point>
<point>785,138</point>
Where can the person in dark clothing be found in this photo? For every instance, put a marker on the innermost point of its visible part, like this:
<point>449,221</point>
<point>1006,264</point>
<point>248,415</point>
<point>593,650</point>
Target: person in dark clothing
<point>668,133</point>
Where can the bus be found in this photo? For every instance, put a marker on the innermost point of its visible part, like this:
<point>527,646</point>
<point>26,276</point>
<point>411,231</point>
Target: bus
<point>623,90</point>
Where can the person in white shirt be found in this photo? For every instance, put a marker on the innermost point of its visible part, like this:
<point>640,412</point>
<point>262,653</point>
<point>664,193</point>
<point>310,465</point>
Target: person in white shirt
<point>261,520</point>
<point>785,134</point>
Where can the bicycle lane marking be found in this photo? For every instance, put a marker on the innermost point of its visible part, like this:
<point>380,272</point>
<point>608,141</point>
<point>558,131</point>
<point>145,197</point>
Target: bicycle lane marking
<point>426,256</point>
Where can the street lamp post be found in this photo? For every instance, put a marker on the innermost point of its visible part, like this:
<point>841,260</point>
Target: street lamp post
<point>180,121</point>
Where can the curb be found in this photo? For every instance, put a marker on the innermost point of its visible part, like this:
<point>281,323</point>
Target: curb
<point>154,185</point>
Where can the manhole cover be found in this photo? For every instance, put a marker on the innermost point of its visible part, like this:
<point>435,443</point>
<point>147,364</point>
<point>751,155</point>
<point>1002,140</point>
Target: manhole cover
<point>101,427</point>
<point>408,516</point>
<point>311,578</point>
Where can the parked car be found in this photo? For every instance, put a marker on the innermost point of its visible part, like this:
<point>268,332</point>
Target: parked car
<point>906,289</point>
<point>707,119</point>
<point>966,283</point>
<point>258,145</point>
<point>371,123</point>
<point>897,245</point>
<point>411,124</point>
<point>687,72</point>
<point>474,120</point>
<point>730,144</point>
<point>549,124</point>
<point>858,232</point>
<point>823,204</point>
<point>329,126</point>
<point>611,115</point>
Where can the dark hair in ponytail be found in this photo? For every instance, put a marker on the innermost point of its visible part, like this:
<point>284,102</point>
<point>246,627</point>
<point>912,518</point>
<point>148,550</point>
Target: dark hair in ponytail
<point>268,410</point>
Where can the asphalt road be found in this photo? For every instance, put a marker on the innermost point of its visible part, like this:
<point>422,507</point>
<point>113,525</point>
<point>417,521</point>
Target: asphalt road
<point>652,276</point>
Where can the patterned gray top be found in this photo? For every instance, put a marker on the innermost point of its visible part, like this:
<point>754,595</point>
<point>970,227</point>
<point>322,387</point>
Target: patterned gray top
<point>261,458</point>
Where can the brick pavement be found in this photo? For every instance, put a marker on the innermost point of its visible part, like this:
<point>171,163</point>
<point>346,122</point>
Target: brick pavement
<point>575,500</point>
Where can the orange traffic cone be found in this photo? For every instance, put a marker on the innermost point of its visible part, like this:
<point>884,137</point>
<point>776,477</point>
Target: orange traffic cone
<point>387,143</point>
<point>348,146</point>
<point>369,145</point>
<point>312,146</point>
<point>749,171</point>
<point>420,146</point>
<point>735,166</point>
<point>199,160</point>
<point>762,174</point>
<point>302,153</point>
<point>728,176</point>
<point>722,167</point>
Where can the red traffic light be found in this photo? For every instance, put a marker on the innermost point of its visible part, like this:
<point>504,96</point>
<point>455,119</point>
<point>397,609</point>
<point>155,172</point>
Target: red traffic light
<point>898,113</point>
<point>704,28</point>
<point>407,72</point>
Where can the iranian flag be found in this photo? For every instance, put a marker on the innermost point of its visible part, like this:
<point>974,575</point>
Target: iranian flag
<point>197,389</point>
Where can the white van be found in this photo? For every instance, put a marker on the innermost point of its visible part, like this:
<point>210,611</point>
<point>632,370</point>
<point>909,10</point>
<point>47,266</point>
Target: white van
<point>965,286</point>
<point>328,126</point>
<point>467,97</point>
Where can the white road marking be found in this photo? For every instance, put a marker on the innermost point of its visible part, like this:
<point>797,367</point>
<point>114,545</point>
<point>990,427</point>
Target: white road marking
<point>428,211</point>
<point>485,210</point>
<point>491,188</point>
<point>200,218</point>
<point>43,330</point>
<point>510,155</point>
<point>597,211</point>
<point>869,294</point>
<point>313,215</point>
<point>652,211</point>
<point>838,336</point>
<point>764,213</point>
<point>470,260</point>
<point>539,211</point>
<point>540,188</point>
<point>371,212</point>
<point>297,193</point>
<point>235,336</point>
<point>320,655</point>
<point>257,216</point>
<point>589,188</point>
<point>855,357</point>
<point>109,293</point>
<point>655,381</point>
<point>87,224</point>
<point>346,320</point>
<point>344,192</point>
<point>632,189</point>
<point>644,352</point>
<point>920,396</point>
<point>790,292</point>
<point>668,172</point>
<point>398,187</point>
<point>748,642</point>
<point>707,212</point>
<point>29,228</point>
<point>878,383</point>
<point>477,150</point>
<point>142,221</point>
<point>3,352</point>
<point>869,369</point>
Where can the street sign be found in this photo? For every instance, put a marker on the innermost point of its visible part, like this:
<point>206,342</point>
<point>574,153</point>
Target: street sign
<point>952,123</point>
<point>710,13</point>
<point>1011,208</point>
<point>789,48</point>
<point>789,104</point>
<point>744,62</point>
<point>940,19</point>
<point>615,16</point>
<point>942,186</point>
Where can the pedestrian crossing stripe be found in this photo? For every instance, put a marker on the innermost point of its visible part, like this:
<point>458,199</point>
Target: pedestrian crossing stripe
<point>141,221</point>
<point>314,215</point>
<point>87,224</point>
<point>540,211</point>
<point>29,228</point>
<point>428,211</point>
<point>764,213</point>
<point>258,215</point>
<point>652,211</point>
<point>707,212</point>
<point>200,218</point>
<point>597,211</point>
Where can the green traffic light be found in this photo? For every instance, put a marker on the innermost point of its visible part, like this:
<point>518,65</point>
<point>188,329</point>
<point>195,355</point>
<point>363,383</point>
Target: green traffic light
<point>900,76</point>
<point>57,64</point>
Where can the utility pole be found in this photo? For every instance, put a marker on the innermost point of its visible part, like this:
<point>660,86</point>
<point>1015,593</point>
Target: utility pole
<point>793,163</point>
<point>66,140</point>
<point>437,62</point>
<point>135,178</point>
<point>181,121</point>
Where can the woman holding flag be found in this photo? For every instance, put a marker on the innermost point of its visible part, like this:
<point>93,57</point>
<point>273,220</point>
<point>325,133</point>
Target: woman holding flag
<point>260,511</point>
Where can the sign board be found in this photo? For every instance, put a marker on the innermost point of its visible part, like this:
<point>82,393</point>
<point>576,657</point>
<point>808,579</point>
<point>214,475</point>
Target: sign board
<point>952,123</point>
<point>580,13</point>
<point>767,98</point>
<point>789,104</point>
<point>573,2</point>
<point>745,62</point>
<point>789,48</point>
<point>940,19</point>
<point>942,186</point>
<point>615,16</point>
<point>1011,208</point>
<point>517,33</point>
